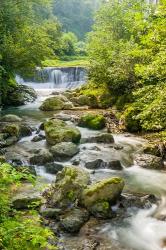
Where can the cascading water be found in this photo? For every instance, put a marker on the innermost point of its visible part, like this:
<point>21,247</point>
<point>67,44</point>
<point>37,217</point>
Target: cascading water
<point>55,78</point>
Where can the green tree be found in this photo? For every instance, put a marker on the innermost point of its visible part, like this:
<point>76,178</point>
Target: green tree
<point>76,15</point>
<point>28,35</point>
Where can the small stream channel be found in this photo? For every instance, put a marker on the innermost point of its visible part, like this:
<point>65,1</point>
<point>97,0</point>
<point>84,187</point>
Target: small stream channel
<point>140,231</point>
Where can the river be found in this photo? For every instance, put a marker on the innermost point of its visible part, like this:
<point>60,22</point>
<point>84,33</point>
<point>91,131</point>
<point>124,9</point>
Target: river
<point>140,230</point>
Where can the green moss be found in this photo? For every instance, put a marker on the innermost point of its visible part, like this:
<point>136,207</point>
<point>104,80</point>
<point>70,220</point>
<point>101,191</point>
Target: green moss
<point>105,205</point>
<point>71,195</point>
<point>52,104</point>
<point>99,185</point>
<point>92,121</point>
<point>58,131</point>
<point>12,130</point>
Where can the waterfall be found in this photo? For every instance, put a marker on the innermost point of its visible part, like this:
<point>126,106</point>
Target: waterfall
<point>55,78</point>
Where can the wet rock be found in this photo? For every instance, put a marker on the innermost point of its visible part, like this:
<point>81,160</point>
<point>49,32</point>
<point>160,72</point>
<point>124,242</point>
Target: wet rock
<point>114,165</point>
<point>25,130</point>
<point>73,220</point>
<point>20,95</point>
<point>98,163</point>
<point>53,168</point>
<point>10,118</point>
<point>67,188</point>
<point>38,138</point>
<point>102,138</point>
<point>148,161</point>
<point>58,131</point>
<point>64,150</point>
<point>92,121</point>
<point>107,190</point>
<point>41,157</point>
<point>139,201</point>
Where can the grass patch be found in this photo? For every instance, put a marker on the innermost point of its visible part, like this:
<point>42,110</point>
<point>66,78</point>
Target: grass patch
<point>67,62</point>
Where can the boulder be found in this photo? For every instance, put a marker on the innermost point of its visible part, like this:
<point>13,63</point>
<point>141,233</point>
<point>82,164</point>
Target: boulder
<point>148,161</point>
<point>67,188</point>
<point>39,137</point>
<point>58,131</point>
<point>25,130</point>
<point>73,220</point>
<point>85,100</point>
<point>107,190</point>
<point>58,102</point>
<point>64,150</point>
<point>53,167</point>
<point>11,118</point>
<point>99,163</point>
<point>41,157</point>
<point>114,165</point>
<point>12,130</point>
<point>20,95</point>
<point>102,138</point>
<point>92,121</point>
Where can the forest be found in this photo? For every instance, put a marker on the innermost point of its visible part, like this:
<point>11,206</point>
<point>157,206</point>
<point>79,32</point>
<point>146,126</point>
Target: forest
<point>82,124</point>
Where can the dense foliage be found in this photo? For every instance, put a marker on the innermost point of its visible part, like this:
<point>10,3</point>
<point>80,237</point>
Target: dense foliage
<point>128,52</point>
<point>19,230</point>
<point>76,15</point>
<point>28,35</point>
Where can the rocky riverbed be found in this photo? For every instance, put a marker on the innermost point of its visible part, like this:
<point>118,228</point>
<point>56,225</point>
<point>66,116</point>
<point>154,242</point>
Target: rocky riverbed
<point>96,185</point>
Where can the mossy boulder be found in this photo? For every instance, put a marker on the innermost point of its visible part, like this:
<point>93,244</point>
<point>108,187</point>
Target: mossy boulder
<point>56,103</point>
<point>64,150</point>
<point>10,118</point>
<point>92,121</point>
<point>67,188</point>
<point>107,190</point>
<point>58,131</point>
<point>85,100</point>
<point>12,130</point>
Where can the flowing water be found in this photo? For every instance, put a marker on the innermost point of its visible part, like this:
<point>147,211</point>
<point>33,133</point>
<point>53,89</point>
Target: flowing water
<point>142,230</point>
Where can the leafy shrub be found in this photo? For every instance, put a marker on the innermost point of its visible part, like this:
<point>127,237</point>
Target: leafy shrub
<point>19,230</point>
<point>148,111</point>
